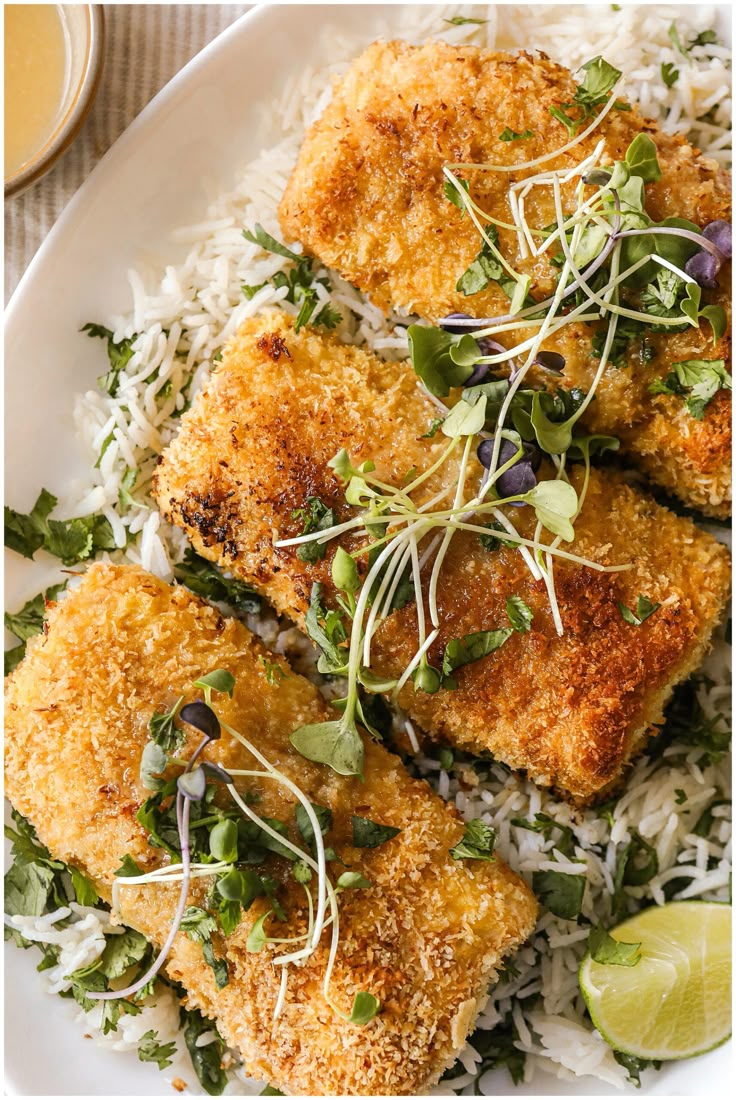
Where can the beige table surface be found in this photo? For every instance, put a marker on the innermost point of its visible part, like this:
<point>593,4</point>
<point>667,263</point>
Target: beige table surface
<point>145,45</point>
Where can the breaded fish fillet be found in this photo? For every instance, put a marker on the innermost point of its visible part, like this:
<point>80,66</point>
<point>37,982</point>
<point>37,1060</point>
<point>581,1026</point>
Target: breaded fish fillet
<point>367,198</point>
<point>426,938</point>
<point>570,710</point>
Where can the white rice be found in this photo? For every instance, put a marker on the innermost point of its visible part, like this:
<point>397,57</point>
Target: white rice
<point>180,319</point>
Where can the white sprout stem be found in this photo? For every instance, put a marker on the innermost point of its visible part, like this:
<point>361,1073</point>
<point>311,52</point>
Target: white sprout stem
<point>470,205</point>
<point>522,230</point>
<point>430,550</point>
<point>405,557</point>
<point>322,536</point>
<point>392,569</point>
<point>323,881</point>
<point>523,550</point>
<point>139,983</point>
<point>434,579</point>
<point>170,873</point>
<point>540,546</point>
<point>555,152</point>
<point>434,467</point>
<point>417,578</point>
<point>413,663</point>
<point>320,866</point>
<point>282,994</point>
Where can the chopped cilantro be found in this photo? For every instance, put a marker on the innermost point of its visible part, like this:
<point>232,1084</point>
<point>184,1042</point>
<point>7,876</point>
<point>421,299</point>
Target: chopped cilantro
<point>478,842</point>
<point>472,647</point>
<point>599,80</point>
<point>644,609</point>
<point>204,578</point>
<point>371,834</point>
<point>316,516</point>
<point>608,951</point>
<point>560,892</point>
<point>151,1050</point>
<point>511,135</point>
<point>119,355</point>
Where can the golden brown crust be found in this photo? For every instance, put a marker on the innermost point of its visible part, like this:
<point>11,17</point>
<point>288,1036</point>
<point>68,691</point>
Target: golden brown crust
<point>366,197</point>
<point>570,710</point>
<point>426,938</point>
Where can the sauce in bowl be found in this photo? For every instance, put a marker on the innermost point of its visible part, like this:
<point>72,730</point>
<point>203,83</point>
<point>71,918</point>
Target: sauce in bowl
<point>36,72</point>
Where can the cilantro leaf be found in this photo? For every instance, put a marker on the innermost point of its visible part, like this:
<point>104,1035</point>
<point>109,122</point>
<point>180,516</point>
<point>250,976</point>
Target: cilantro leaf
<point>365,1008</point>
<point>26,533</point>
<point>151,1050</point>
<point>485,267</point>
<point>644,609</point>
<point>478,842</point>
<point>599,80</point>
<point>455,193</point>
<point>315,516</point>
<point>608,951</point>
<point>207,1059</point>
<point>519,614</point>
<point>698,380</point>
<point>511,135</point>
<point>472,647</point>
<point>202,577</point>
<point>371,834</point>
<point>264,240</point>
<point>119,355</point>
<point>560,892</point>
<point>670,75</point>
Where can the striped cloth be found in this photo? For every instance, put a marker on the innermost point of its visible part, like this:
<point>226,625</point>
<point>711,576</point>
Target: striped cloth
<point>145,45</point>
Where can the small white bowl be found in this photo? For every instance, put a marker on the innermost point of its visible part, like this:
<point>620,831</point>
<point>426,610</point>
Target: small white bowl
<point>85,36</point>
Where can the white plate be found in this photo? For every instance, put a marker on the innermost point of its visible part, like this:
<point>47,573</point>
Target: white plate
<point>186,145</point>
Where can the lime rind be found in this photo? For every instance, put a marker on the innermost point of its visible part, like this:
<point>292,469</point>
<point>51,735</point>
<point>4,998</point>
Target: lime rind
<point>676,1003</point>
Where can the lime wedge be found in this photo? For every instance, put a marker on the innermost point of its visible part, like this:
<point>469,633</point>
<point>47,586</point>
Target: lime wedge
<point>676,1001</point>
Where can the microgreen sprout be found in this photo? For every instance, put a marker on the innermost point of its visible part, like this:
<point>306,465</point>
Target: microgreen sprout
<point>235,885</point>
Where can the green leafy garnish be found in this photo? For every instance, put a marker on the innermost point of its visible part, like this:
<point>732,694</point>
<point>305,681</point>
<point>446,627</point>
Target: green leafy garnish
<point>485,267</point>
<point>316,516</point>
<point>71,540</point>
<point>455,193</point>
<point>641,157</point>
<point>606,950</point>
<point>365,1008</point>
<point>461,20</point>
<point>151,1050</point>
<point>274,672</point>
<point>560,892</point>
<point>511,135</point>
<point>162,729</point>
<point>519,614</point>
<point>217,680</point>
<point>119,355</point>
<point>207,580</point>
<point>478,842</point>
<point>258,937</point>
<point>670,75</point>
<point>431,357</point>
<point>644,609</point>
<point>600,78</point>
<point>300,282</point>
<point>472,647</point>
<point>352,880</point>
<point>547,826</point>
<point>371,834</point>
<point>698,380</point>
<point>206,1060</point>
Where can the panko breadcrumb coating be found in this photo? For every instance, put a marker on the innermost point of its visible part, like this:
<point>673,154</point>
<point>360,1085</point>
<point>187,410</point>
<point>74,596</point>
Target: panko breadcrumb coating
<point>366,197</point>
<point>426,938</point>
<point>569,710</point>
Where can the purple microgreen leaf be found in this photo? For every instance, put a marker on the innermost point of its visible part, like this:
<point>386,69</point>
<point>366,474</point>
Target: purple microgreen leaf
<point>719,233</point>
<point>202,717</point>
<point>551,361</point>
<point>703,267</point>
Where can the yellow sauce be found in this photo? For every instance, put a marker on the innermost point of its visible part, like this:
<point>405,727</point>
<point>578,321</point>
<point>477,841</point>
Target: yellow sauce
<point>35,75</point>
